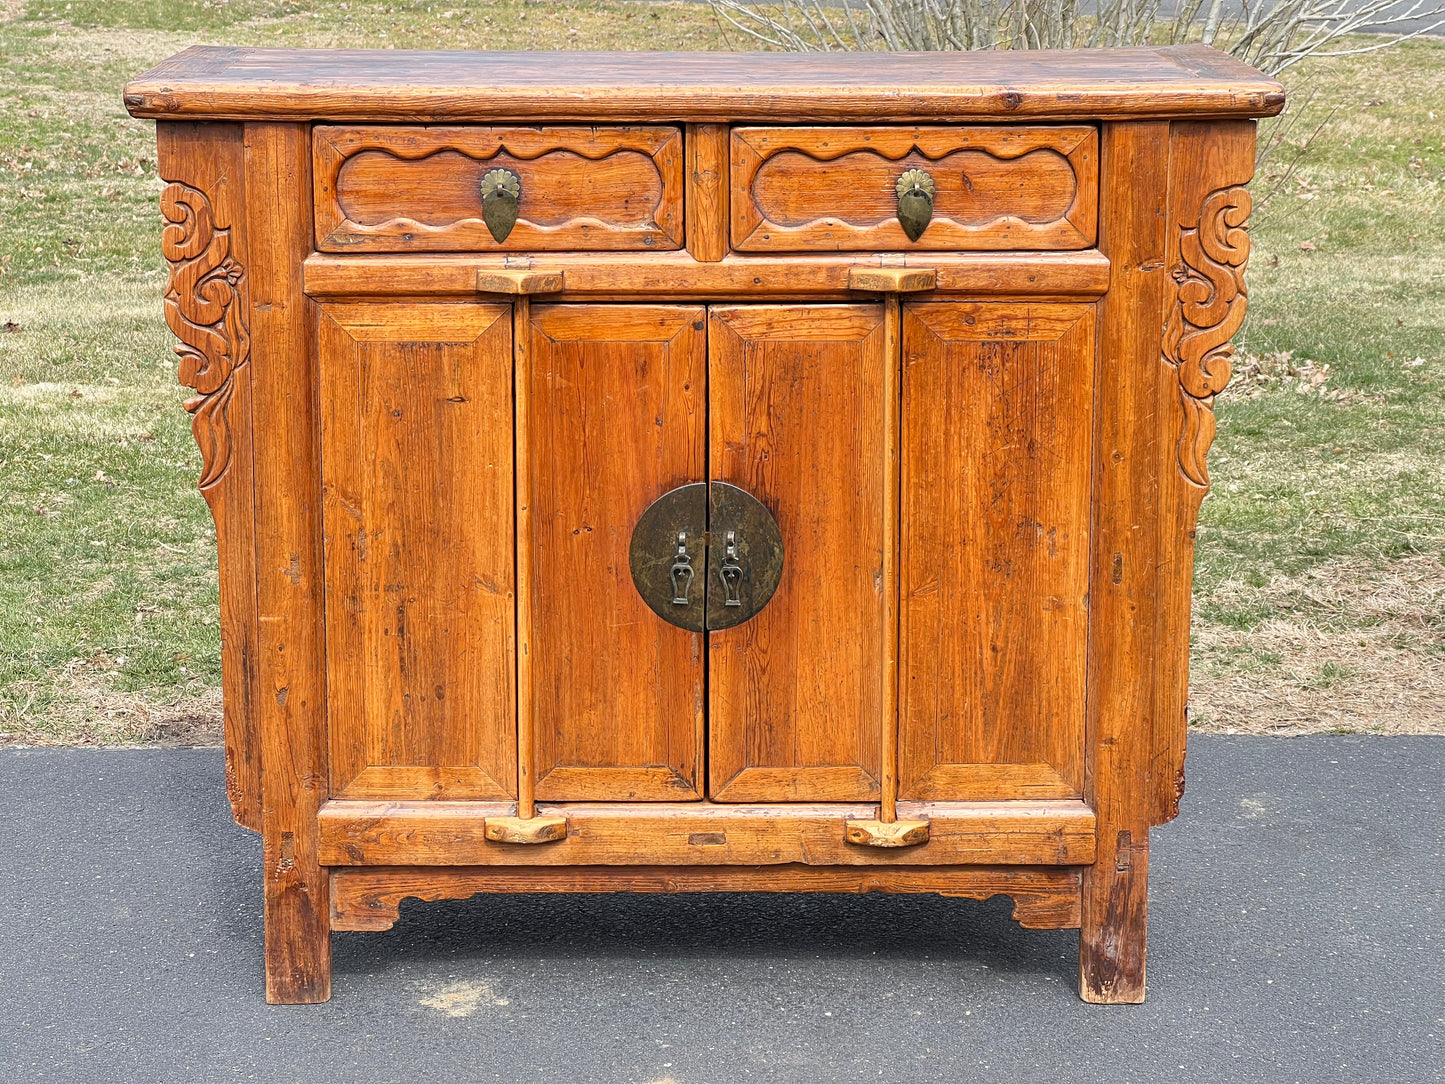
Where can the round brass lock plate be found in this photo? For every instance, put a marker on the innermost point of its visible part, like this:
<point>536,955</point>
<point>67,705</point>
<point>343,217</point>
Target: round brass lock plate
<point>668,556</point>
<point>706,556</point>
<point>742,535</point>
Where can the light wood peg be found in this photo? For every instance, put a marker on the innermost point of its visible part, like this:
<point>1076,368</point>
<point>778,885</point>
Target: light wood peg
<point>887,833</point>
<point>892,280</point>
<point>525,830</point>
<point>519,282</point>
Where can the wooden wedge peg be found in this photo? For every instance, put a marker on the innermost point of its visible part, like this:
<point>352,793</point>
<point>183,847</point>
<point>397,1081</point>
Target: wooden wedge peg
<point>519,282</point>
<point>892,280</point>
<point>887,833</point>
<point>525,830</point>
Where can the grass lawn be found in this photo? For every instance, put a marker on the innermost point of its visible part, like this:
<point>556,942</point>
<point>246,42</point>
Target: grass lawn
<point>1320,601</point>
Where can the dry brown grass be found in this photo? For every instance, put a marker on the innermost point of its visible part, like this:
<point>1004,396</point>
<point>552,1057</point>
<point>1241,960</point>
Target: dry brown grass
<point>1348,646</point>
<point>87,709</point>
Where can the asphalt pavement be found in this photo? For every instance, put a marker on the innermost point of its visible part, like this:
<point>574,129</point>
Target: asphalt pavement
<point>1296,934</point>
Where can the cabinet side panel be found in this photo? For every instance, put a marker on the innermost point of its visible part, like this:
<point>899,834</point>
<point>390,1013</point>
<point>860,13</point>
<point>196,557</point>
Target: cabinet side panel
<point>1209,164</point>
<point>997,425</point>
<point>417,481</point>
<point>618,418</point>
<point>206,303</point>
<point>291,665</point>
<point>796,693</point>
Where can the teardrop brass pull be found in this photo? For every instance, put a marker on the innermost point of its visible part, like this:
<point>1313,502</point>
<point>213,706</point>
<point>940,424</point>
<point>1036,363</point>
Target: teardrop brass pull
<point>915,202</point>
<point>501,197</point>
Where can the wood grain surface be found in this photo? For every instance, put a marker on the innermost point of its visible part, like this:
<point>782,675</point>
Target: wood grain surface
<point>678,276</point>
<point>291,664</point>
<point>696,833</point>
<point>204,245</point>
<point>532,88</point>
<point>369,897</point>
<point>798,189</point>
<point>1209,163</point>
<point>418,189</point>
<point>1123,573</point>
<point>618,417</point>
<point>997,428</point>
<point>795,695</point>
<point>707,191</point>
<point>416,449</point>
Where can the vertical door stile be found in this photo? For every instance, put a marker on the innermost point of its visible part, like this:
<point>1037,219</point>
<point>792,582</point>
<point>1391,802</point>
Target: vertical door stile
<point>522,466</point>
<point>892,382</point>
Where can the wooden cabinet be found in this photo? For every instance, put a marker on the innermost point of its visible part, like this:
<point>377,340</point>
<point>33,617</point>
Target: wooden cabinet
<point>624,485</point>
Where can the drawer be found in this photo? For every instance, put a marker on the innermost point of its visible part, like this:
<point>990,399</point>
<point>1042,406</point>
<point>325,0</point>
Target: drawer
<point>837,189</point>
<point>420,189</point>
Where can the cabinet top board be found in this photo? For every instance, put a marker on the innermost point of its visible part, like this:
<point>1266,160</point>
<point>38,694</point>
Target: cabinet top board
<point>232,83</point>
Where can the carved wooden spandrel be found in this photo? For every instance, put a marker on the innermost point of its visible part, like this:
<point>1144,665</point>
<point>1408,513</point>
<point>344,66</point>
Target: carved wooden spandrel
<point>1208,311</point>
<point>205,308</point>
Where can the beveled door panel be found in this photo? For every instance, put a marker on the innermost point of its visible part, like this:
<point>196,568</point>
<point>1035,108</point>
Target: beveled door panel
<point>618,417</point>
<point>996,430</point>
<point>416,456</point>
<point>795,694</point>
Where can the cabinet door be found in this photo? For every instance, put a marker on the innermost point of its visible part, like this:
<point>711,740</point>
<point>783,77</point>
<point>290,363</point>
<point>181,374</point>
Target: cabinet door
<point>997,423</point>
<point>618,416</point>
<point>416,452</point>
<point>795,695</point>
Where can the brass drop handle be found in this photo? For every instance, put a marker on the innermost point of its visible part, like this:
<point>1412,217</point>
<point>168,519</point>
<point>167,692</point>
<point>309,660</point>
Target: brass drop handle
<point>915,202</point>
<point>731,572</point>
<point>501,199</point>
<point>682,573</point>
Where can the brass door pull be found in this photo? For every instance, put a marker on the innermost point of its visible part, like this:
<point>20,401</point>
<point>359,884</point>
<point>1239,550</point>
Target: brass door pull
<point>682,573</point>
<point>915,202</point>
<point>501,199</point>
<point>730,571</point>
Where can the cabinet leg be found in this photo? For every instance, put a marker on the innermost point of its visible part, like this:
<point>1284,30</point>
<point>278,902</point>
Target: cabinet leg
<point>298,936</point>
<point>1115,921</point>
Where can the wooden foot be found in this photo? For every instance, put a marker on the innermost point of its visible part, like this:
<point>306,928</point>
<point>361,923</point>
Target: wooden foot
<point>1115,921</point>
<point>298,932</point>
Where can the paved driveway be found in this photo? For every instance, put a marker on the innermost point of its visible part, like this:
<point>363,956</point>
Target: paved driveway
<point>1296,935</point>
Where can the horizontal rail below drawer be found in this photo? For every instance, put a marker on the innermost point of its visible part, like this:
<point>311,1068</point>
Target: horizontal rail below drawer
<point>362,833</point>
<point>369,897</point>
<point>678,275</point>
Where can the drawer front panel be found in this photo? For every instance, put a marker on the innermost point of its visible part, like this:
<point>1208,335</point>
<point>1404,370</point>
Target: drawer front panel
<point>996,438</point>
<point>835,189</point>
<point>415,189</point>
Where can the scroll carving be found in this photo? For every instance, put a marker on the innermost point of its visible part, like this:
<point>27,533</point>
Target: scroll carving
<point>1208,310</point>
<point>205,309</point>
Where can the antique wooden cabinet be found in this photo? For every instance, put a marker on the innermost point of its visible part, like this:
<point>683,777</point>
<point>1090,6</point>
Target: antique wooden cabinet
<point>704,472</point>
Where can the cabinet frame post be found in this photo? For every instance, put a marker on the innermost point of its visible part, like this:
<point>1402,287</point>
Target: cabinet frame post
<point>289,575</point>
<point>522,465</point>
<point>1122,565</point>
<point>892,382</point>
